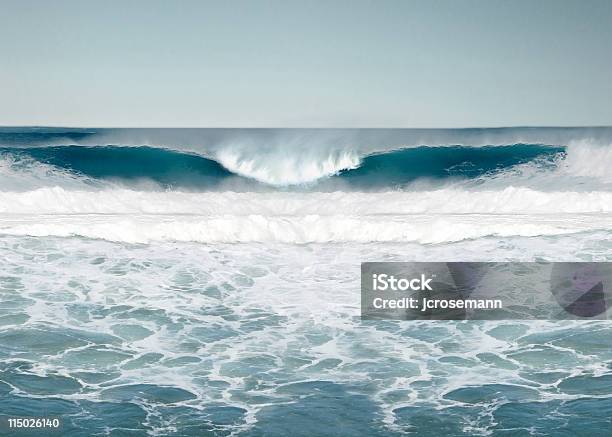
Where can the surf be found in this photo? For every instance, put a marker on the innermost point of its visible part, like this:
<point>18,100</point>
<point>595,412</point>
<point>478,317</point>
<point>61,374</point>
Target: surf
<point>510,200</point>
<point>280,169</point>
<point>307,229</point>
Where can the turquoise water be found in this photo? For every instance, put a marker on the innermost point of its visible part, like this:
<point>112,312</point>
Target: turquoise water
<point>211,287</point>
<point>182,339</point>
<point>174,169</point>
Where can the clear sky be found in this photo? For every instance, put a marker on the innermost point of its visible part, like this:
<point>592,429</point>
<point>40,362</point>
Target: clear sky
<point>306,63</point>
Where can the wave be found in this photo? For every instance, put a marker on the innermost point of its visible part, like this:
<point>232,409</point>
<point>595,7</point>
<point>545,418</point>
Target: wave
<point>510,200</point>
<point>128,164</point>
<point>174,169</point>
<point>588,159</point>
<point>251,228</point>
<point>20,172</point>
<point>315,159</point>
<point>391,168</point>
<point>287,169</point>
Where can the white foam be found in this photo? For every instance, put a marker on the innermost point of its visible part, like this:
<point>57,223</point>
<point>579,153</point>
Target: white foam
<point>19,173</point>
<point>588,159</point>
<point>509,200</point>
<point>287,169</point>
<point>426,229</point>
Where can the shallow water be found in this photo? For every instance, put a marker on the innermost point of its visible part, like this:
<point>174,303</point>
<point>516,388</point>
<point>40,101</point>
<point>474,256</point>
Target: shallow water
<point>186,339</point>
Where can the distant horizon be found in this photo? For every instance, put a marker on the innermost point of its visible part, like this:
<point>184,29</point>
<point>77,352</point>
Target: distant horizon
<point>34,126</point>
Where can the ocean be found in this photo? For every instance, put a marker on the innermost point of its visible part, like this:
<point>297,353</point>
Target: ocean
<point>190,282</point>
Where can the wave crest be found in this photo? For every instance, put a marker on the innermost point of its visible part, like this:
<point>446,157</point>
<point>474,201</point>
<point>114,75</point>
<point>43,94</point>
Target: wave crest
<point>580,166</point>
<point>588,159</point>
<point>283,169</point>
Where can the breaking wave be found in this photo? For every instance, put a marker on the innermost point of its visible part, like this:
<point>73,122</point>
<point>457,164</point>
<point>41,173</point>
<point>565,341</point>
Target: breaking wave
<point>235,193</point>
<point>441,216</point>
<point>172,169</point>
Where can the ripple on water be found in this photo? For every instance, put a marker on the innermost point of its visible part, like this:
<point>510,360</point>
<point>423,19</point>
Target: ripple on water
<point>267,340</point>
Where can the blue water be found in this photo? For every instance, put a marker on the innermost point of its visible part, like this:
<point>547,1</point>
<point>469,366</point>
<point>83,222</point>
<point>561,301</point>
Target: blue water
<point>171,168</point>
<point>185,282</point>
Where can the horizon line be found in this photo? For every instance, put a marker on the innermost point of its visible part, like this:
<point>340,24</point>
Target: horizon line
<point>526,126</point>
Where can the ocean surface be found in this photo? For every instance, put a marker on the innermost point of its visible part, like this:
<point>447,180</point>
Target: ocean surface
<point>191,282</point>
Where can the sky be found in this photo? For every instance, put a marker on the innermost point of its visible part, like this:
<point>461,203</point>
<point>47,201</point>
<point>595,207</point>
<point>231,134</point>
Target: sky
<point>306,63</point>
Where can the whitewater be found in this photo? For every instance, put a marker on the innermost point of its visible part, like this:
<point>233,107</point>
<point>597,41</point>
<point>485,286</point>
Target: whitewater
<point>206,281</point>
